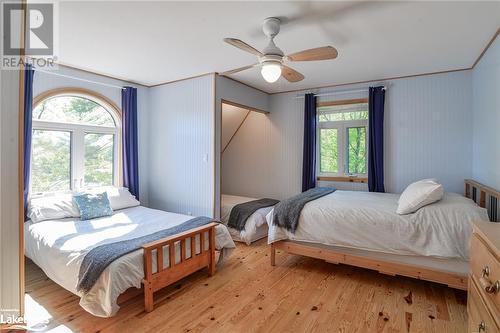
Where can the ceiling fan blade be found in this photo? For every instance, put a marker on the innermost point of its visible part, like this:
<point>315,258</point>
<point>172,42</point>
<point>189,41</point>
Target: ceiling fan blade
<point>319,53</point>
<point>243,46</point>
<point>291,75</point>
<point>237,70</point>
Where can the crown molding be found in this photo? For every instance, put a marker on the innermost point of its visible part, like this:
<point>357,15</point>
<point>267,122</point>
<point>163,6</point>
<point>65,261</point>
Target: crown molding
<point>486,48</point>
<point>101,74</point>
<point>179,80</point>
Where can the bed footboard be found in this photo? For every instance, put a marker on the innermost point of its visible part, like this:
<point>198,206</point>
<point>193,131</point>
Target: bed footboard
<point>157,277</point>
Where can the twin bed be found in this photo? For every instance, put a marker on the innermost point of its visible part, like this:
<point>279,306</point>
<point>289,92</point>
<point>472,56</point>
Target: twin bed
<point>255,226</point>
<point>363,229</point>
<point>355,228</point>
<point>59,246</point>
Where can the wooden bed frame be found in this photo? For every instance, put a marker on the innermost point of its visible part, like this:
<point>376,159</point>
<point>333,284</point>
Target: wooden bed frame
<point>486,194</point>
<point>164,276</point>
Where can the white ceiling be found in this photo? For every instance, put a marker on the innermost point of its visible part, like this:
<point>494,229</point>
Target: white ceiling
<point>156,42</point>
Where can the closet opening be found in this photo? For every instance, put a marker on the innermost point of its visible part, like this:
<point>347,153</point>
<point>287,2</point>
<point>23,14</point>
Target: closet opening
<point>245,133</point>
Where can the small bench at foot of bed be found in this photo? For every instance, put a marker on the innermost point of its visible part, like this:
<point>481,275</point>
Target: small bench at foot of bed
<point>156,279</point>
<point>453,280</point>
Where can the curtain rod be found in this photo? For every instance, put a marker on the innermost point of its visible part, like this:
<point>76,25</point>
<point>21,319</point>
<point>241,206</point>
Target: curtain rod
<point>340,92</point>
<point>78,79</point>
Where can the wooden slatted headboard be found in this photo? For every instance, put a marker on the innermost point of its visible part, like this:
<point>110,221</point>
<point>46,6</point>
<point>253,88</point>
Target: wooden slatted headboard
<point>485,197</point>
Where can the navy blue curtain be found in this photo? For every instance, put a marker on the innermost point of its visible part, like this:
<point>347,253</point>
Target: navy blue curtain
<point>28,114</point>
<point>129,139</point>
<point>376,139</point>
<point>309,152</point>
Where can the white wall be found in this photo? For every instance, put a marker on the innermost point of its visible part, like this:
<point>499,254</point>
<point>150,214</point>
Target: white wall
<point>427,134</point>
<point>486,101</point>
<point>9,193</point>
<point>182,132</point>
<point>428,130</point>
<point>234,91</point>
<point>43,82</point>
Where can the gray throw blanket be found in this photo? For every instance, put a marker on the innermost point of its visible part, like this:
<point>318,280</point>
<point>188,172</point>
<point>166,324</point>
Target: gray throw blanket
<point>241,212</point>
<point>287,212</point>
<point>97,259</point>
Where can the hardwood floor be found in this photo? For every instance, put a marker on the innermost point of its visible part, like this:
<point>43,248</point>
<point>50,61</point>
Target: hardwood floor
<point>248,295</point>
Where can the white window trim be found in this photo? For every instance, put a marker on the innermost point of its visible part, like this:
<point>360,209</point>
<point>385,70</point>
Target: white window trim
<point>77,140</point>
<point>342,148</point>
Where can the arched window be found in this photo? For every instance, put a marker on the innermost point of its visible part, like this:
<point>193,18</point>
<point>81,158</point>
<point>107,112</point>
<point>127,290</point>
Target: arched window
<point>75,142</point>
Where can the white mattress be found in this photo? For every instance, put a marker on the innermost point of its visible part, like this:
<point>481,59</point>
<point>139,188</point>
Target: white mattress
<point>59,246</point>
<point>255,226</point>
<point>368,221</point>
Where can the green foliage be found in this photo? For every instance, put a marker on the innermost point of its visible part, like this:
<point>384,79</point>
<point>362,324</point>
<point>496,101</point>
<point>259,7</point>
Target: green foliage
<point>356,150</point>
<point>72,109</point>
<point>50,161</point>
<point>98,159</point>
<point>51,153</point>
<point>341,116</point>
<point>328,147</point>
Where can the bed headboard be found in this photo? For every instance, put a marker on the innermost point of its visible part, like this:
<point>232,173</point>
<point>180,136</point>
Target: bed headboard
<point>484,196</point>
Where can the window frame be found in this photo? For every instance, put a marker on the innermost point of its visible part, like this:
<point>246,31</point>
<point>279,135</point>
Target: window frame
<point>342,127</point>
<point>77,135</point>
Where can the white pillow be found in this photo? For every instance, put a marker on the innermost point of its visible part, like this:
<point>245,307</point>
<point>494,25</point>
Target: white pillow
<point>418,195</point>
<point>52,207</point>
<point>119,197</point>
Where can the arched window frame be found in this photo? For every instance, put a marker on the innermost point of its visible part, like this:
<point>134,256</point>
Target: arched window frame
<point>78,131</point>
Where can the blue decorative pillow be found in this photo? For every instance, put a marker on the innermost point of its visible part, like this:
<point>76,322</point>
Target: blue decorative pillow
<point>92,206</point>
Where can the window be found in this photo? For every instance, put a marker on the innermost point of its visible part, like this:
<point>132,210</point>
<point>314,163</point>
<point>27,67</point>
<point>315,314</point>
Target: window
<point>74,143</point>
<point>342,138</point>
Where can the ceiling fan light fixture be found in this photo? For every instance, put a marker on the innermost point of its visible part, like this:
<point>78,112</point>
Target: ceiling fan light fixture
<point>272,60</point>
<point>271,71</point>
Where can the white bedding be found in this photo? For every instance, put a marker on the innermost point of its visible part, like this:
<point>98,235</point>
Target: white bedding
<point>59,246</point>
<point>368,221</point>
<point>255,227</point>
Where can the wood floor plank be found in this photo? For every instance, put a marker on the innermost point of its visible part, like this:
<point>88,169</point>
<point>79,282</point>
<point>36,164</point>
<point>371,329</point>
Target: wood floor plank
<point>247,294</point>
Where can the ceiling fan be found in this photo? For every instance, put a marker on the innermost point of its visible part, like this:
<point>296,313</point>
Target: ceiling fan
<point>272,60</point>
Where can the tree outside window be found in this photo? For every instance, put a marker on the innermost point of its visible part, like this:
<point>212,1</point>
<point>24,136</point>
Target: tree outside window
<point>342,139</point>
<point>74,144</point>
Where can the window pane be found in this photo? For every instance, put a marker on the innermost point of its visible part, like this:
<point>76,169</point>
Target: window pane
<point>99,159</point>
<point>51,161</point>
<point>343,112</point>
<point>356,150</point>
<point>328,150</point>
<point>73,109</point>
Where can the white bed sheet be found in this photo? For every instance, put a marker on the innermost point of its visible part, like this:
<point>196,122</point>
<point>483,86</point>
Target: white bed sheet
<point>59,246</point>
<point>256,225</point>
<point>260,232</point>
<point>368,221</point>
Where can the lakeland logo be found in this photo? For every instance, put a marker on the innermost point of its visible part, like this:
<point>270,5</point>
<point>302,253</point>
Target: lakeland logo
<point>15,322</point>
